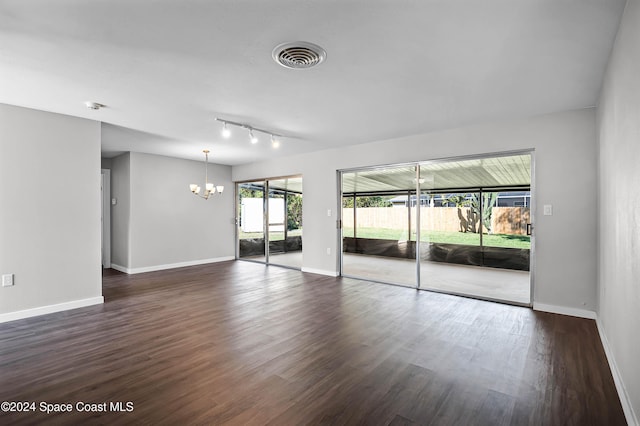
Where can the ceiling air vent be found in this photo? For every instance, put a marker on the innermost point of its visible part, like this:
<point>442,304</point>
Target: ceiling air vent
<point>298,55</point>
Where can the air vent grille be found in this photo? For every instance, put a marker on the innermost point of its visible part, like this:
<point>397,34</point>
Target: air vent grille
<point>299,55</point>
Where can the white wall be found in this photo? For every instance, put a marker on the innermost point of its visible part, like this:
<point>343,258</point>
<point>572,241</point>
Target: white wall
<point>565,163</point>
<point>105,163</point>
<point>619,207</point>
<point>50,212</point>
<point>167,225</point>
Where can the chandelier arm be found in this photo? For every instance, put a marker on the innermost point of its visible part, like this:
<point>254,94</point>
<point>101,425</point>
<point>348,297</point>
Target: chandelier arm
<point>206,170</point>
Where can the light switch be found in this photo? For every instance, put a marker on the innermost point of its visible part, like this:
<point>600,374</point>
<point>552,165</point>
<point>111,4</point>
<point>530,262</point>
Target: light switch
<point>113,201</point>
<point>329,212</point>
<point>548,210</point>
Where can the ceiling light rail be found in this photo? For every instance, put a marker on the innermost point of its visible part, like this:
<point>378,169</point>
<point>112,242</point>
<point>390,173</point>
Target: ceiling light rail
<point>226,132</point>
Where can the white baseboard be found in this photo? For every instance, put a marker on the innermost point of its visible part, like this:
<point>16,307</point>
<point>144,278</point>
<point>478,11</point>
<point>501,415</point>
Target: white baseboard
<point>320,272</point>
<point>630,415</point>
<point>170,265</point>
<point>49,309</point>
<point>119,268</point>
<point>574,312</point>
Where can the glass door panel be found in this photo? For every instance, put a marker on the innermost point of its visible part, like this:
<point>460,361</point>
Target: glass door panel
<point>473,241</point>
<point>379,217</point>
<point>285,222</point>
<point>251,235</point>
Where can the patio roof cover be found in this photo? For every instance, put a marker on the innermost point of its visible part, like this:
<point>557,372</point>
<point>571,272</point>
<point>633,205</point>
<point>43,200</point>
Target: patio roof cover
<point>292,184</point>
<point>493,172</point>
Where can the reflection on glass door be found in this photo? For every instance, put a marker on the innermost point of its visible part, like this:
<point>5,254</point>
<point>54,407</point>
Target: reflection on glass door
<point>251,221</point>
<point>270,221</point>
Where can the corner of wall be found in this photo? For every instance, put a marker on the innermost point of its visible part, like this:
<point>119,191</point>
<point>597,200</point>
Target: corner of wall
<point>625,400</point>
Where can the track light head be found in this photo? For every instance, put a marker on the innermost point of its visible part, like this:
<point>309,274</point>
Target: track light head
<point>225,131</point>
<point>274,142</point>
<point>252,137</point>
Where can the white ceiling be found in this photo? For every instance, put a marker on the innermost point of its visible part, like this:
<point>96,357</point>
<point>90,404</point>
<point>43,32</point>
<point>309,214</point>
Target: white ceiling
<point>166,68</point>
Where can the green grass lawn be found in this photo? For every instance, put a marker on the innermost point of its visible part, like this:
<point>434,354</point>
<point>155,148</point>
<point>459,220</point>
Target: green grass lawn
<point>445,237</point>
<point>274,236</point>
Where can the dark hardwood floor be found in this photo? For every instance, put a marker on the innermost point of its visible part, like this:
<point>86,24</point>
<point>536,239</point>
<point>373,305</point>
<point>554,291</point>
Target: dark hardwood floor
<point>240,343</point>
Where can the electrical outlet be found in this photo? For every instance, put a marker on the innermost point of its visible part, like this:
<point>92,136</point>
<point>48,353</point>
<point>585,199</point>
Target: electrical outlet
<point>7,280</point>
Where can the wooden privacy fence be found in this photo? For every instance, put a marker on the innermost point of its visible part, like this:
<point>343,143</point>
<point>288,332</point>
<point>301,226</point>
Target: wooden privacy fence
<point>504,220</point>
<point>510,220</point>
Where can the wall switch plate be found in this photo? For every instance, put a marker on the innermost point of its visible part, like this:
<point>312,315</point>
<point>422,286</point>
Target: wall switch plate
<point>113,201</point>
<point>329,212</point>
<point>548,210</point>
<point>7,280</point>
<point>328,251</point>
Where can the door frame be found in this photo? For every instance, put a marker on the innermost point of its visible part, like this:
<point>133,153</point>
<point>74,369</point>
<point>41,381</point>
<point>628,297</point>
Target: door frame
<point>265,217</point>
<point>105,234</point>
<point>532,190</point>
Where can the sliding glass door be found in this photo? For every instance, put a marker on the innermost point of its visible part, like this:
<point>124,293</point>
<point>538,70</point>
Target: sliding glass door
<point>269,221</point>
<point>460,226</point>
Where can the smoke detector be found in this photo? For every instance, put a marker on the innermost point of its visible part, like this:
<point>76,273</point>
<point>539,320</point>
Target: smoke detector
<point>298,55</point>
<point>93,105</point>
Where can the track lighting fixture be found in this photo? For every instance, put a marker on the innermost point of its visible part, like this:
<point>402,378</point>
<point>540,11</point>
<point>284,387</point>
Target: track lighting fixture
<point>226,132</point>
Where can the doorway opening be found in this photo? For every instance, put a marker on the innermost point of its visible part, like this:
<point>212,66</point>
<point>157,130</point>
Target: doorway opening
<point>105,217</point>
<point>460,226</point>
